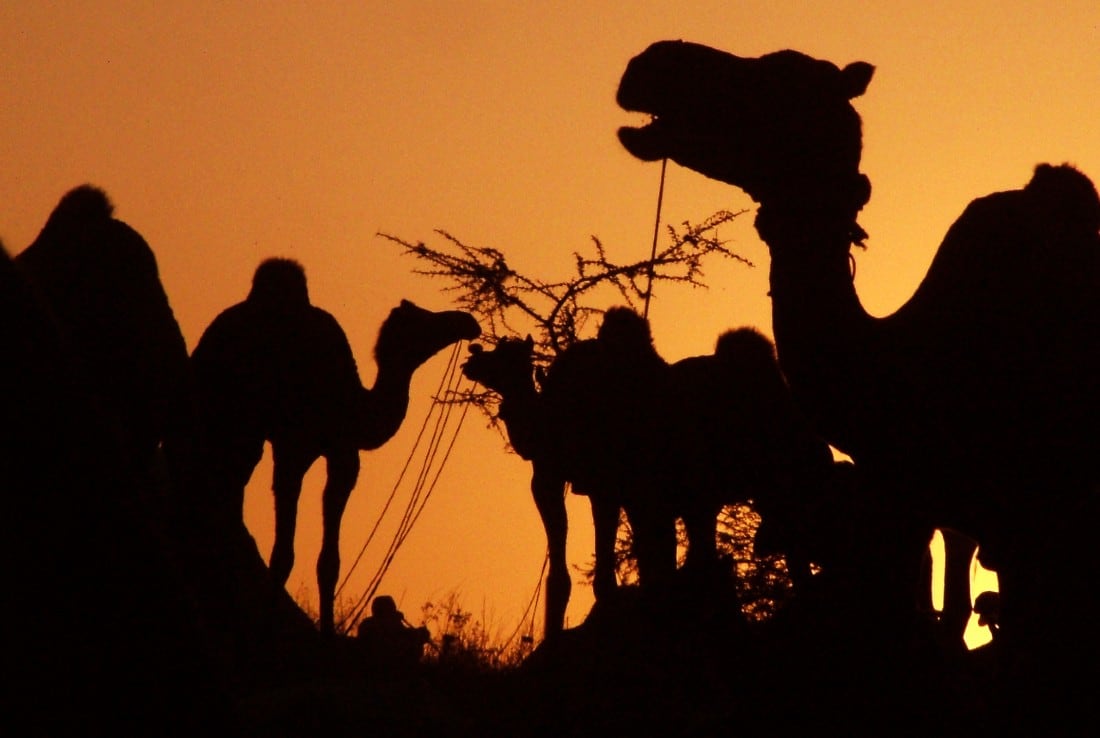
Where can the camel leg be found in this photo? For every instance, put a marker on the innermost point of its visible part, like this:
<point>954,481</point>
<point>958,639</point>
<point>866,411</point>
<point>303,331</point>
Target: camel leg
<point>290,468</point>
<point>605,523</point>
<point>959,552</point>
<point>654,545</point>
<point>343,471</point>
<point>548,490</point>
<point>231,460</point>
<point>702,532</point>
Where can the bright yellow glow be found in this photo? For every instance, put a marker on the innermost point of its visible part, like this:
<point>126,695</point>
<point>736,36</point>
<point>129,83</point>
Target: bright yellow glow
<point>937,550</point>
<point>981,580</point>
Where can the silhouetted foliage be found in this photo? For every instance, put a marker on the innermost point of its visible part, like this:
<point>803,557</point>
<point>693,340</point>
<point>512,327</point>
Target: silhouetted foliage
<point>462,641</point>
<point>556,312</point>
<point>510,303</point>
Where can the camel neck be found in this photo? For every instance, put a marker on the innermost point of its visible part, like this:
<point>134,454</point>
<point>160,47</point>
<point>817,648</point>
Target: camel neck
<point>384,406</point>
<point>821,329</point>
<point>518,405</point>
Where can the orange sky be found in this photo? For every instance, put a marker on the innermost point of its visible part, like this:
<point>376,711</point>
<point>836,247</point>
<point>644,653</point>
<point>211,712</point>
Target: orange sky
<point>226,132</point>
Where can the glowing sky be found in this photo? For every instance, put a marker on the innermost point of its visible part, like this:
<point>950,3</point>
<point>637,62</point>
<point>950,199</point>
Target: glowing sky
<point>226,132</point>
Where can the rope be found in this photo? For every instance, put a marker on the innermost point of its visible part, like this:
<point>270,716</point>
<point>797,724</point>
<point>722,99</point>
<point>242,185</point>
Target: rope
<point>656,231</point>
<point>532,604</point>
<point>418,499</point>
<point>414,498</point>
<point>400,477</point>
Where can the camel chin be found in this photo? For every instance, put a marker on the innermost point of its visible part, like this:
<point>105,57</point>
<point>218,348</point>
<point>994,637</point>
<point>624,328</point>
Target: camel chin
<point>644,142</point>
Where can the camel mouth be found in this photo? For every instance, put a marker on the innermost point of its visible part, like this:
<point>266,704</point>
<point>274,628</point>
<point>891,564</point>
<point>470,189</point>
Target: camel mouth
<point>474,353</point>
<point>677,84</point>
<point>648,142</point>
<point>468,328</point>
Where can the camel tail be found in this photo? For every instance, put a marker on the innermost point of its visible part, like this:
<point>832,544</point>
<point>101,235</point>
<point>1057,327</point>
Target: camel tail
<point>1066,195</point>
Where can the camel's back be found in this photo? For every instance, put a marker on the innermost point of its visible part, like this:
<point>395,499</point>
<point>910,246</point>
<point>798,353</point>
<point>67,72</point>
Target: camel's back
<point>1021,253</point>
<point>99,279</point>
<point>1010,316</point>
<point>276,369</point>
<point>595,411</point>
<point>732,410</point>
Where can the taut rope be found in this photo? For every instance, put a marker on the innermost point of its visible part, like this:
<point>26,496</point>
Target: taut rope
<point>422,488</point>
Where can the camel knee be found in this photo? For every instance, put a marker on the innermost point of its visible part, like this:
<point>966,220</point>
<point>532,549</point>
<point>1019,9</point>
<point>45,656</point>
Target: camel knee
<point>558,586</point>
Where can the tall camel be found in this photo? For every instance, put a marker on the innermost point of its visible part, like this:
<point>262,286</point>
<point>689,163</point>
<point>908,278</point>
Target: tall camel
<point>508,370</point>
<point>658,440</point>
<point>275,368</point>
<point>559,455</point>
<point>106,619</point>
<point>974,405</point>
<point>98,279</point>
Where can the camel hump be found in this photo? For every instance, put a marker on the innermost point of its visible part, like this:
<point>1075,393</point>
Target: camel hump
<point>1065,195</point>
<point>745,345</point>
<point>279,282</point>
<point>625,332</point>
<point>80,206</point>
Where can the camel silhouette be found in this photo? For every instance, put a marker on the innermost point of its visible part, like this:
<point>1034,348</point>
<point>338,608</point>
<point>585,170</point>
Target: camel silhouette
<point>661,441</point>
<point>106,620</point>
<point>275,368</point>
<point>974,405</point>
<point>97,278</point>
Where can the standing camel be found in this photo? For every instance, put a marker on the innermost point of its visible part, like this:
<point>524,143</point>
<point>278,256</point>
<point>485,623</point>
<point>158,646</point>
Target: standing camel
<point>661,441</point>
<point>106,615</point>
<point>275,368</point>
<point>974,405</point>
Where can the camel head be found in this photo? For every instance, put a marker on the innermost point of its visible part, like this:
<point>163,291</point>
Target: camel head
<point>746,345</point>
<point>411,335</point>
<point>506,366</point>
<point>780,125</point>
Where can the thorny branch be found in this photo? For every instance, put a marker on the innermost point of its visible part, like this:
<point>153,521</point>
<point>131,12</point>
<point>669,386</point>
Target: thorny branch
<point>556,313</point>
<point>510,303</point>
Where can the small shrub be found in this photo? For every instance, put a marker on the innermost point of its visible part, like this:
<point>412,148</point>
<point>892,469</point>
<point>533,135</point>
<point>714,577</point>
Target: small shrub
<point>462,641</point>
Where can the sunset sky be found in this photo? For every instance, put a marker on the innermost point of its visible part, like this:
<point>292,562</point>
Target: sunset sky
<point>226,132</point>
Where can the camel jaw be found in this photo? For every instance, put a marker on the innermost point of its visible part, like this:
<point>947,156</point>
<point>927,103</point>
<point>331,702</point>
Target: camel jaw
<point>647,142</point>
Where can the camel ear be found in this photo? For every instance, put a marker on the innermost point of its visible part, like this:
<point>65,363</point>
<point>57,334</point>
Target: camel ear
<point>529,341</point>
<point>856,76</point>
<point>475,348</point>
